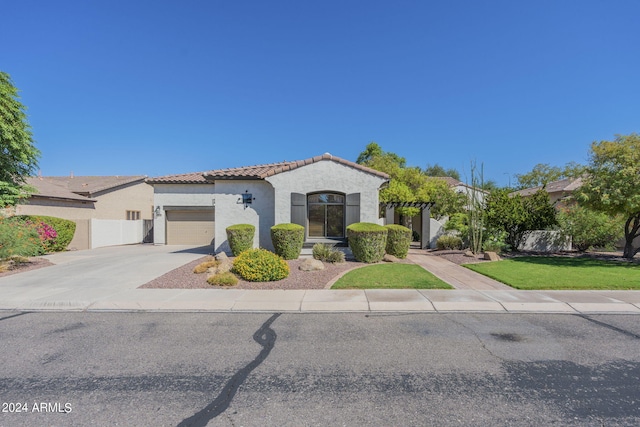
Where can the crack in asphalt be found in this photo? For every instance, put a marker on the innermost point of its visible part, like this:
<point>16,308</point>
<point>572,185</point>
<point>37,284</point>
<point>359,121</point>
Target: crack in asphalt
<point>14,315</point>
<point>608,326</point>
<point>266,337</point>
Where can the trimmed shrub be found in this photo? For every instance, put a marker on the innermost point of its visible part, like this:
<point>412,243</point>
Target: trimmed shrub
<point>260,265</point>
<point>223,279</point>
<point>287,240</point>
<point>327,253</point>
<point>240,237</point>
<point>398,240</point>
<point>204,266</point>
<point>449,242</point>
<point>55,233</point>
<point>19,238</point>
<point>367,241</point>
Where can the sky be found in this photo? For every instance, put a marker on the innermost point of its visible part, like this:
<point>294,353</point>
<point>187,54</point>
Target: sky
<point>158,87</point>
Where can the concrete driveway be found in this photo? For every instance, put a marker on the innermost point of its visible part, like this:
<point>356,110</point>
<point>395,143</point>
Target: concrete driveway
<point>95,273</point>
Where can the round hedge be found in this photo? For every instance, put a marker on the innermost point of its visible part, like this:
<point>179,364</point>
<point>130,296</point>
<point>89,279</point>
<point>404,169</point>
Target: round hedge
<point>260,265</point>
<point>367,241</point>
<point>287,240</point>
<point>240,237</point>
<point>398,240</point>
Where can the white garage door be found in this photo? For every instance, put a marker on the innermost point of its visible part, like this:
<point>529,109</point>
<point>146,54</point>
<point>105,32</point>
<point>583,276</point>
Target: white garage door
<point>190,227</point>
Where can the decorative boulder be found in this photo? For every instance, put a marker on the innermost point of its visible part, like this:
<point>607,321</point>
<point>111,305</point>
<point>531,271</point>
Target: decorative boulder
<point>491,256</point>
<point>310,264</point>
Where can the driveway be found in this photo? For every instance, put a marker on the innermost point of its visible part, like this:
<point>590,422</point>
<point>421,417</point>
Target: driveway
<point>96,273</point>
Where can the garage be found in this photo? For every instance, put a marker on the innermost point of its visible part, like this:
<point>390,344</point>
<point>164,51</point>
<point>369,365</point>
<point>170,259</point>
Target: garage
<point>190,227</point>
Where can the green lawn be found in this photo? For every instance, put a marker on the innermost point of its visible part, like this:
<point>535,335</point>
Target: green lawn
<point>390,276</point>
<point>561,273</point>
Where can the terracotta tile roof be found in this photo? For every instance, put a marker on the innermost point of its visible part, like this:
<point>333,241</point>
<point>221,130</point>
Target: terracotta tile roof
<point>567,185</point>
<point>185,178</point>
<point>258,171</point>
<point>264,171</point>
<point>452,182</point>
<point>90,185</point>
<point>47,189</point>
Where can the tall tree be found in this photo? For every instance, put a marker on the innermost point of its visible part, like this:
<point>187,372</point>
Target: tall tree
<point>612,184</point>
<point>542,174</point>
<point>18,155</point>
<point>437,170</point>
<point>410,184</point>
<point>518,216</point>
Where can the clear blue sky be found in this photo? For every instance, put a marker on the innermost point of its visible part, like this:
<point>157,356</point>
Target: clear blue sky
<point>162,87</point>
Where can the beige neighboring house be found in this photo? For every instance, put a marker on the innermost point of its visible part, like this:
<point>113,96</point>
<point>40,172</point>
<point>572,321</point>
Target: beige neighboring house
<point>100,206</point>
<point>558,191</point>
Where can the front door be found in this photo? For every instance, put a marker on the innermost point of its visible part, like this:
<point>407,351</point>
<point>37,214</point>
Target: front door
<point>326,215</point>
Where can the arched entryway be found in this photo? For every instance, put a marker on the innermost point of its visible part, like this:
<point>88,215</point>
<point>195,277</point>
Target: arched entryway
<point>326,213</point>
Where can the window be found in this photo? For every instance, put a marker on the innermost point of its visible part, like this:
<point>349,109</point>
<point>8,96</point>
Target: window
<point>133,215</point>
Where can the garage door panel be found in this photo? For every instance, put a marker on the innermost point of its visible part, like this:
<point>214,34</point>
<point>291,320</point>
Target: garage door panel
<point>190,227</point>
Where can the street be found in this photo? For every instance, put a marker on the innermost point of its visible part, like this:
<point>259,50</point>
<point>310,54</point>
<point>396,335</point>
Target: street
<point>342,369</point>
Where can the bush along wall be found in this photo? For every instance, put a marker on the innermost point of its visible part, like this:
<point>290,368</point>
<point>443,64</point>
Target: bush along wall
<point>240,237</point>
<point>398,240</point>
<point>287,240</point>
<point>55,233</point>
<point>367,241</point>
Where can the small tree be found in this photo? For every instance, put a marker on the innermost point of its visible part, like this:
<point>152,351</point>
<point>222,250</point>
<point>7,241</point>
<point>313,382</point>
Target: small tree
<point>18,155</point>
<point>518,216</point>
<point>588,228</point>
<point>612,184</point>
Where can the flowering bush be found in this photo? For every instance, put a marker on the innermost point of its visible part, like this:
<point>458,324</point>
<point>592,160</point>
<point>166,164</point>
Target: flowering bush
<point>55,233</point>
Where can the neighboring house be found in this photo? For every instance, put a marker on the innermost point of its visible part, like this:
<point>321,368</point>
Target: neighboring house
<point>324,194</point>
<point>462,188</point>
<point>94,203</point>
<point>558,191</point>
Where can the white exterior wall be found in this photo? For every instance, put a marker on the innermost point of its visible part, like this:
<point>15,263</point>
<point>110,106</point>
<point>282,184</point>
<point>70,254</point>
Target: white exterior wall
<point>230,210</point>
<point>113,232</point>
<point>186,195</point>
<point>326,176</point>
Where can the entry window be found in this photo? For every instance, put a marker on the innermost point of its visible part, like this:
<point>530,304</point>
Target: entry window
<point>133,215</point>
<point>326,215</point>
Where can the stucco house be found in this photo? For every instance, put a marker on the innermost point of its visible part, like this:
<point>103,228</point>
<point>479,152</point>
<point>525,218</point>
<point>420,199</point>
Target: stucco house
<point>324,194</point>
<point>99,205</point>
<point>558,191</point>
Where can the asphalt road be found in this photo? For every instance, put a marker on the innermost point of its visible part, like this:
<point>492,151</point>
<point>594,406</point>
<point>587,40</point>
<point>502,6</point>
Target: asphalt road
<point>264,369</point>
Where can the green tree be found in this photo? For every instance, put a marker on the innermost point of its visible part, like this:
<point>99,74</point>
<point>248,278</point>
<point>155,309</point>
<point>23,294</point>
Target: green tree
<point>18,155</point>
<point>612,184</point>
<point>588,228</point>
<point>437,170</point>
<point>542,174</point>
<point>410,184</point>
<point>517,216</point>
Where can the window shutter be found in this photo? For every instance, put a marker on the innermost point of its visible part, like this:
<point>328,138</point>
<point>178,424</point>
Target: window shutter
<point>353,209</point>
<point>299,209</point>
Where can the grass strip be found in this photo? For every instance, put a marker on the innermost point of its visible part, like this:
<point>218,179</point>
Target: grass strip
<point>390,276</point>
<point>561,273</point>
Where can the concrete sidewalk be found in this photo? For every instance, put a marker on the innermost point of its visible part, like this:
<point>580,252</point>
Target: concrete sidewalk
<point>320,300</point>
<point>108,279</point>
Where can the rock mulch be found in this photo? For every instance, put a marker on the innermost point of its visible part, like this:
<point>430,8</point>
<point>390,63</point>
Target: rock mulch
<point>33,264</point>
<point>184,278</point>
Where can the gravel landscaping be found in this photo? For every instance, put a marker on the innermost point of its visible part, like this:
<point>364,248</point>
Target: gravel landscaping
<point>184,277</point>
<point>33,264</point>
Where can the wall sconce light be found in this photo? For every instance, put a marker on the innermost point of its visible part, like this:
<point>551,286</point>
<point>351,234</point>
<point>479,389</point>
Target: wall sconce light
<point>158,211</point>
<point>247,198</point>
